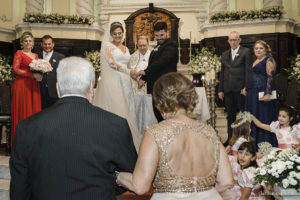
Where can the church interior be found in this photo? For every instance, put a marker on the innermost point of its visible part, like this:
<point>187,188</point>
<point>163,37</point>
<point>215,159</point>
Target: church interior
<point>78,26</point>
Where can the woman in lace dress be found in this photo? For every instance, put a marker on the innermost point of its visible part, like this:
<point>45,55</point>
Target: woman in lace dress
<point>259,79</point>
<point>26,97</point>
<point>114,92</point>
<point>182,155</point>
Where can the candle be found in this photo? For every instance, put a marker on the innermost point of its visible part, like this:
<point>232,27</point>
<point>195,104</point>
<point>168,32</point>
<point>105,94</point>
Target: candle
<point>190,45</point>
<point>135,41</point>
<point>213,74</point>
<point>178,41</point>
<point>190,40</point>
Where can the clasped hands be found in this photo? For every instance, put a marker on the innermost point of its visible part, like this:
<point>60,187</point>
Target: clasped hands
<point>136,75</point>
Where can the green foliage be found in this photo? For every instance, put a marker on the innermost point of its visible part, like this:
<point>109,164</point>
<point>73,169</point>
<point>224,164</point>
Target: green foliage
<point>57,18</point>
<point>275,12</point>
<point>6,74</point>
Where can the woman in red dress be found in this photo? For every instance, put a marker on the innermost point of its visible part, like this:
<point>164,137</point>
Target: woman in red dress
<point>26,98</point>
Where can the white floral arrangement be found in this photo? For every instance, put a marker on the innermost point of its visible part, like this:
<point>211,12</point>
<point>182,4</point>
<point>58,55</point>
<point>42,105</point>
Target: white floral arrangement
<point>6,74</point>
<point>204,61</point>
<point>282,167</point>
<point>57,18</point>
<point>294,69</point>
<point>40,66</point>
<point>275,12</point>
<point>94,58</point>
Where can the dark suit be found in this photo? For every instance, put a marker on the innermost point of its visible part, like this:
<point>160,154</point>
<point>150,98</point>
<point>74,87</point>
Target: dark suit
<point>233,78</point>
<point>70,151</point>
<point>161,61</point>
<point>48,84</point>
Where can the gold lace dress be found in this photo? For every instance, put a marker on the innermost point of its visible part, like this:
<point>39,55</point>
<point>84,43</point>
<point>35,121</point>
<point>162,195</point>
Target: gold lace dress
<point>167,184</point>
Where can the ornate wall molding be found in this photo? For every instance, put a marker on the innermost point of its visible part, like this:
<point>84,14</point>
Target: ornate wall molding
<point>285,24</point>
<point>72,31</point>
<point>107,8</point>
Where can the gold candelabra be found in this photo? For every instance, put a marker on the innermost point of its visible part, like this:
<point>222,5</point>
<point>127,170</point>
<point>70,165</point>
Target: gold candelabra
<point>210,88</point>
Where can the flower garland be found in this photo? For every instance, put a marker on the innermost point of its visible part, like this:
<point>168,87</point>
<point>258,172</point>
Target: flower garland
<point>281,167</point>
<point>6,74</point>
<point>294,69</point>
<point>94,58</point>
<point>204,61</point>
<point>57,18</point>
<point>275,12</point>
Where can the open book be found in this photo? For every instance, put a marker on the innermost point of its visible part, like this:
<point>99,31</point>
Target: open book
<point>272,96</point>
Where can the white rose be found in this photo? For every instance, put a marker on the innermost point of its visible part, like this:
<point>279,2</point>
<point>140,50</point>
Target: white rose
<point>292,181</point>
<point>262,172</point>
<point>285,183</point>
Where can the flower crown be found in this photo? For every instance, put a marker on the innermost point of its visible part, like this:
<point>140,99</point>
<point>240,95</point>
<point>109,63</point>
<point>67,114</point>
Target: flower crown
<point>245,116</point>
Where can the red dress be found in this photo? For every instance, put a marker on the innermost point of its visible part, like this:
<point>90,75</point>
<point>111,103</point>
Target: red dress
<point>26,98</point>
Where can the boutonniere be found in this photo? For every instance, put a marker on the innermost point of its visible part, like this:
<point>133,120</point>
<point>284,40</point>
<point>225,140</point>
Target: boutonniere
<point>237,55</point>
<point>54,60</point>
<point>156,48</point>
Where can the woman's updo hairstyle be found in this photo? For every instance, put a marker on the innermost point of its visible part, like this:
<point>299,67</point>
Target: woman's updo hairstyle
<point>173,91</point>
<point>265,45</point>
<point>116,25</point>
<point>25,35</point>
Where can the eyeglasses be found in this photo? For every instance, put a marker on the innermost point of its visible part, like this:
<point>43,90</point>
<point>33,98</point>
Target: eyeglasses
<point>233,40</point>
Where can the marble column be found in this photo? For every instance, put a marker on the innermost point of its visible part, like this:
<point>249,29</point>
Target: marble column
<point>217,6</point>
<point>272,3</point>
<point>34,6</point>
<point>85,7</point>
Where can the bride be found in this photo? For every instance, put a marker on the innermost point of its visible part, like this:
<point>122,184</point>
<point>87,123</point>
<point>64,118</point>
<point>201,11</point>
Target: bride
<point>114,92</point>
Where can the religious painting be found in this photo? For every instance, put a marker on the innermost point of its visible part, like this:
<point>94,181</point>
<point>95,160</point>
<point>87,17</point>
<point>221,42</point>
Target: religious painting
<point>144,25</point>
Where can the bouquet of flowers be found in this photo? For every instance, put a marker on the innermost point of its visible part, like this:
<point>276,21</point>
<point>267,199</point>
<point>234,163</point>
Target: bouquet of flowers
<point>204,61</point>
<point>94,58</point>
<point>6,74</point>
<point>294,70</point>
<point>40,66</point>
<point>281,167</point>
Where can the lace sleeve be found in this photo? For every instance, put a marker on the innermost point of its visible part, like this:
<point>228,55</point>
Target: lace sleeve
<point>110,60</point>
<point>270,69</point>
<point>17,66</point>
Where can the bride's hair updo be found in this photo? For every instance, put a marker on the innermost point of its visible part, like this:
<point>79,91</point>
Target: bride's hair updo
<point>265,45</point>
<point>116,25</point>
<point>173,91</point>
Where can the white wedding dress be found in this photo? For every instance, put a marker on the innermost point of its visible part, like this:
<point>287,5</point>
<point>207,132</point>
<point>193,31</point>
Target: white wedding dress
<point>114,92</point>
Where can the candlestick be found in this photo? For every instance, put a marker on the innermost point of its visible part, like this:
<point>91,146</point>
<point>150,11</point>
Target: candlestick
<point>135,41</point>
<point>190,45</point>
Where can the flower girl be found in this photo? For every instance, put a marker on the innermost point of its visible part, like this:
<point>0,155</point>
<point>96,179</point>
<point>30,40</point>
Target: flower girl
<point>243,168</point>
<point>287,134</point>
<point>240,132</point>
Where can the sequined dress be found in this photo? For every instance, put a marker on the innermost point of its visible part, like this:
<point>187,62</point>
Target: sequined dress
<point>167,184</point>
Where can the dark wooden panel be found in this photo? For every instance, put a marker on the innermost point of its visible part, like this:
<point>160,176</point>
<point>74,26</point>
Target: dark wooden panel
<point>6,49</point>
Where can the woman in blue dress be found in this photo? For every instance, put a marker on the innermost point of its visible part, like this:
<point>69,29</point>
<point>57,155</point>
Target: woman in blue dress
<point>259,79</point>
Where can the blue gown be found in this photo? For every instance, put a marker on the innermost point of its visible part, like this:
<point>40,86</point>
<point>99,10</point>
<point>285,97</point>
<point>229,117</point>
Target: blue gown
<point>266,112</point>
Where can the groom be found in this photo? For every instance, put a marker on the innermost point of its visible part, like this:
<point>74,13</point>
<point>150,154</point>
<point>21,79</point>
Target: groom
<point>163,59</point>
<point>72,149</point>
<point>48,84</point>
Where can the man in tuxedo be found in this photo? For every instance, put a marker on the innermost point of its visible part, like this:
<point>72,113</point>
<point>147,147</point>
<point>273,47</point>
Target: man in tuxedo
<point>163,59</point>
<point>48,84</point>
<point>233,76</point>
<point>73,149</point>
